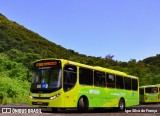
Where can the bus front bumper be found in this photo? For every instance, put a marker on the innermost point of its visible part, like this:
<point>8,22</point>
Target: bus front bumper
<point>57,102</point>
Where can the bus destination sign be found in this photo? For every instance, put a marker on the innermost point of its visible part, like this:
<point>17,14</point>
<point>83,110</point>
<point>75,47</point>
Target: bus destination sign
<point>49,63</point>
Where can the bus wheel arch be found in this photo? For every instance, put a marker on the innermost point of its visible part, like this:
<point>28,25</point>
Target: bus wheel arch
<point>121,104</point>
<point>83,104</point>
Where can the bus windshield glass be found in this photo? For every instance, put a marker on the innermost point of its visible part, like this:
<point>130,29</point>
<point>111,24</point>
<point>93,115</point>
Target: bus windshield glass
<point>151,90</point>
<point>46,77</point>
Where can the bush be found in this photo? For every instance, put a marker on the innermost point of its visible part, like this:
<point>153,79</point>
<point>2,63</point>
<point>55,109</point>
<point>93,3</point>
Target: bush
<point>14,91</point>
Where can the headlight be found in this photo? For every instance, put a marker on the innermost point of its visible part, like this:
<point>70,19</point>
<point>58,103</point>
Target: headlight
<point>55,96</point>
<point>30,97</point>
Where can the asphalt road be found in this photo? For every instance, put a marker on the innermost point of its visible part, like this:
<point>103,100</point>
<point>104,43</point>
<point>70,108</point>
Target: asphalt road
<point>25,110</point>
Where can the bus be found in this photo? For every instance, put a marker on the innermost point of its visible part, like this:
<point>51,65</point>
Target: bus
<point>149,93</point>
<point>60,83</point>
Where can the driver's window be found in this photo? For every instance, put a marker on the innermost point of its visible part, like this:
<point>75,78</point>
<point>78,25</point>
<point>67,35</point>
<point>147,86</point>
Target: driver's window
<point>70,77</point>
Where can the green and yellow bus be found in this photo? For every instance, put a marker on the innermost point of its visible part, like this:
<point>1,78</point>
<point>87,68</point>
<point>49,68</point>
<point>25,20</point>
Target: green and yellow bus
<point>149,93</point>
<point>60,83</point>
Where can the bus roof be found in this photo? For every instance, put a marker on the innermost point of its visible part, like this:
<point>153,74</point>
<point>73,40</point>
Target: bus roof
<point>98,68</point>
<point>102,69</point>
<point>109,70</point>
<point>157,85</point>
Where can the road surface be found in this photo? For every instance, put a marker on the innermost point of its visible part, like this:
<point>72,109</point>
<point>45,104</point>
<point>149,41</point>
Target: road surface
<point>25,110</point>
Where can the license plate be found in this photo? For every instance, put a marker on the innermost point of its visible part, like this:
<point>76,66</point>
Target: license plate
<point>39,102</point>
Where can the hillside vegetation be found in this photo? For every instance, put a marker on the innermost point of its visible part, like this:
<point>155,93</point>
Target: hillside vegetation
<point>20,46</point>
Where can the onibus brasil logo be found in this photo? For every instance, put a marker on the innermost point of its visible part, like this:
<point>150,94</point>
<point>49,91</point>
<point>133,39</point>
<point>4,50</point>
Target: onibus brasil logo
<point>21,110</point>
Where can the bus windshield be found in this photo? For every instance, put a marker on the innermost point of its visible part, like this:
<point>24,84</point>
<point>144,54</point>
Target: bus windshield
<point>151,90</point>
<point>46,79</point>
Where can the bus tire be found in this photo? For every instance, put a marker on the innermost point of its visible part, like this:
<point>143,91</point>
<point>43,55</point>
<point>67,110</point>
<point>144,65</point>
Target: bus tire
<point>83,104</point>
<point>121,105</point>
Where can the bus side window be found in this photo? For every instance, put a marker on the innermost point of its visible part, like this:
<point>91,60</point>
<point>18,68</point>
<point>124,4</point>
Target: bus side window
<point>127,84</point>
<point>99,79</point>
<point>70,77</point>
<point>110,80</point>
<point>119,82</point>
<point>85,76</point>
<point>154,90</point>
<point>134,84</point>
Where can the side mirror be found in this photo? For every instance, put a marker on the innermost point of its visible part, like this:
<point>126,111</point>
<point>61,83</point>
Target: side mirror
<point>29,76</point>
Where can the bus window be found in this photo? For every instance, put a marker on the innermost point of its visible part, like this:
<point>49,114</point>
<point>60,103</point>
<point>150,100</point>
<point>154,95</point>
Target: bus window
<point>134,84</point>
<point>127,82</point>
<point>119,82</point>
<point>85,76</point>
<point>151,90</point>
<point>110,80</point>
<point>70,77</point>
<point>99,79</point>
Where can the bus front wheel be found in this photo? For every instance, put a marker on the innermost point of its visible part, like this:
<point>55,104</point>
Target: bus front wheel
<point>83,104</point>
<point>121,105</point>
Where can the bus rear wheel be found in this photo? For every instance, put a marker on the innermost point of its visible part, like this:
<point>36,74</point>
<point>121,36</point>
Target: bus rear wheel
<point>121,105</point>
<point>83,104</point>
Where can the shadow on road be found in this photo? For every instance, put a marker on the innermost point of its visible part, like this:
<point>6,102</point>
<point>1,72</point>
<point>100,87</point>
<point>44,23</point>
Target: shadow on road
<point>49,110</point>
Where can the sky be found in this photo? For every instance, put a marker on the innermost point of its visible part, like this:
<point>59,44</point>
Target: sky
<point>127,29</point>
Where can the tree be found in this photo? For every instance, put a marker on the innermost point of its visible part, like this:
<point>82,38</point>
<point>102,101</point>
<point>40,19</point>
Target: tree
<point>109,56</point>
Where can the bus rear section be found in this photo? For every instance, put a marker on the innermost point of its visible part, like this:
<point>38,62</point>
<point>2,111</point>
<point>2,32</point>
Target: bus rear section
<point>149,94</point>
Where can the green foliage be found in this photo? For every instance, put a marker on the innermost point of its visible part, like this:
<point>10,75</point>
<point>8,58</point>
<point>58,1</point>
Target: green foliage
<point>14,91</point>
<point>19,47</point>
<point>13,84</point>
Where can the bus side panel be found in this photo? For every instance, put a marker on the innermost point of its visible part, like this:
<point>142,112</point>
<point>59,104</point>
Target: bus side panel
<point>96,96</point>
<point>104,97</point>
<point>132,98</point>
<point>89,92</point>
<point>70,97</point>
<point>151,97</point>
<point>114,95</point>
